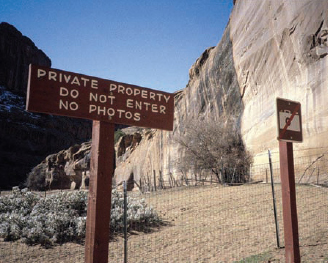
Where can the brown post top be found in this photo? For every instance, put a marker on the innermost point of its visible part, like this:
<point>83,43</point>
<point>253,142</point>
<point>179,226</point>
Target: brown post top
<point>75,95</point>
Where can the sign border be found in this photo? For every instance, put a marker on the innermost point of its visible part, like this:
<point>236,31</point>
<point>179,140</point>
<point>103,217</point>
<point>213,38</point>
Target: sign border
<point>294,136</point>
<point>148,108</point>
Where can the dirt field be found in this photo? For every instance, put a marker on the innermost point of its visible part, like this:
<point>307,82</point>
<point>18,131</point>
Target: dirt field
<point>208,224</point>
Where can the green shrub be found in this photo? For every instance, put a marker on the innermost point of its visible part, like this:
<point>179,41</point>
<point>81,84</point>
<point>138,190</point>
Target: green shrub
<point>61,217</point>
<point>37,177</point>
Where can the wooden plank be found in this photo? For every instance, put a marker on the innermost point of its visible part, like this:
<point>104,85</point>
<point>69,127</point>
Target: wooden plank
<point>75,95</point>
<point>292,250</point>
<point>100,190</point>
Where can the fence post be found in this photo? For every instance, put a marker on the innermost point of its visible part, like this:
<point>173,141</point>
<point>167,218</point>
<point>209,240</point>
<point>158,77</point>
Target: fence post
<point>274,201</point>
<point>318,176</point>
<point>161,185</point>
<point>125,223</point>
<point>149,182</point>
<point>155,180</point>
<point>171,181</point>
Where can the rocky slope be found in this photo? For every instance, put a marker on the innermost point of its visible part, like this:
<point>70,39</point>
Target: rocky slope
<point>26,138</point>
<point>67,169</point>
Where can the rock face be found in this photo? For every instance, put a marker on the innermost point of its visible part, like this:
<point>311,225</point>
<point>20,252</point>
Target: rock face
<point>68,169</point>
<point>212,92</point>
<point>26,138</point>
<point>280,50</point>
<point>16,53</point>
<point>269,49</point>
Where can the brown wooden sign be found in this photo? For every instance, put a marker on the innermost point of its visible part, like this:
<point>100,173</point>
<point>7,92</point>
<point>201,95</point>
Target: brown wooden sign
<point>107,103</point>
<point>70,94</point>
<point>289,120</point>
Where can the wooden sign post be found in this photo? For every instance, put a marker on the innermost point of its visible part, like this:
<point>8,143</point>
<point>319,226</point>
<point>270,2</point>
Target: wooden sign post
<point>107,103</point>
<point>289,131</point>
<point>100,190</point>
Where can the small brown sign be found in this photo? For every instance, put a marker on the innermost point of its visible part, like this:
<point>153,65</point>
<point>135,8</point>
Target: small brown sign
<point>289,120</point>
<point>70,94</point>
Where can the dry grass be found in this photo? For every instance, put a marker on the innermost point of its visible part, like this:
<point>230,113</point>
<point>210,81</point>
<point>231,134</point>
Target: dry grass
<point>208,224</point>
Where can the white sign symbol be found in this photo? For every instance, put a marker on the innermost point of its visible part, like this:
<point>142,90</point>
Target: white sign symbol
<point>284,117</point>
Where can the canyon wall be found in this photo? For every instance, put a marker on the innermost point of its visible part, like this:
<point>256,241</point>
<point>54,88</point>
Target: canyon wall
<point>16,53</point>
<point>26,138</point>
<point>280,50</point>
<point>212,92</point>
<point>270,49</point>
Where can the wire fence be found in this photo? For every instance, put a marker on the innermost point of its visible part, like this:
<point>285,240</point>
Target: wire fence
<point>203,221</point>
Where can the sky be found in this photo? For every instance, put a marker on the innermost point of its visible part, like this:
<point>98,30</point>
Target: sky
<point>148,43</point>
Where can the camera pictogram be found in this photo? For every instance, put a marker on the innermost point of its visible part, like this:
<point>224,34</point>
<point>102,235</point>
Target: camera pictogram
<point>284,118</point>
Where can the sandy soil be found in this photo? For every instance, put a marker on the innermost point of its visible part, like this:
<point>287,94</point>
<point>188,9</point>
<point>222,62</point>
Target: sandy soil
<point>207,224</point>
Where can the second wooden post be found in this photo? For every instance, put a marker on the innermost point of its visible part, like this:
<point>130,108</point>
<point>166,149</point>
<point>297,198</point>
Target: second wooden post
<point>292,249</point>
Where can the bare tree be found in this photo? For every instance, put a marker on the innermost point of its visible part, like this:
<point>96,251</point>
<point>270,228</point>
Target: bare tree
<point>216,147</point>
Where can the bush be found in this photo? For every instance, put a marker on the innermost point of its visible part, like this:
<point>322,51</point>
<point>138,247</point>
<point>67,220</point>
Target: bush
<point>215,147</point>
<point>61,217</point>
<point>36,179</point>
<point>140,217</point>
